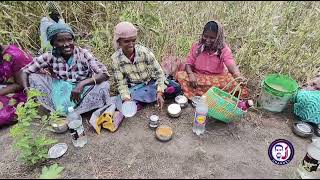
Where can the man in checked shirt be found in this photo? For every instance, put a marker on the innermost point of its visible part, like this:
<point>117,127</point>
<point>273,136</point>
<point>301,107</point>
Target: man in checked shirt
<point>138,74</point>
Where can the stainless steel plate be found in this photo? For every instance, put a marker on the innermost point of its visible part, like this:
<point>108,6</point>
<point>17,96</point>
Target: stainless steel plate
<point>302,129</point>
<point>57,150</point>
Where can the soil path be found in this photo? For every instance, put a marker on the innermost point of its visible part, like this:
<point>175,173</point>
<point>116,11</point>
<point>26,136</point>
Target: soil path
<point>236,150</point>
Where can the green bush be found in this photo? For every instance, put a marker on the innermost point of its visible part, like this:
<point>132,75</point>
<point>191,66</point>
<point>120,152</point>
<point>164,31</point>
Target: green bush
<point>33,145</point>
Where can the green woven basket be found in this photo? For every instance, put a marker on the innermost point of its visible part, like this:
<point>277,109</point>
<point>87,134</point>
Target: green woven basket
<point>223,106</point>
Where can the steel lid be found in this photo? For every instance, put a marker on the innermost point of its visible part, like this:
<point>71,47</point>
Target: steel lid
<point>181,99</point>
<point>174,109</point>
<point>154,118</point>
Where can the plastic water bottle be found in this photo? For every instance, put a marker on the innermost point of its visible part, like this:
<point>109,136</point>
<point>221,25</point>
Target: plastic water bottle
<point>309,166</point>
<point>200,118</point>
<point>79,139</point>
<point>73,116</point>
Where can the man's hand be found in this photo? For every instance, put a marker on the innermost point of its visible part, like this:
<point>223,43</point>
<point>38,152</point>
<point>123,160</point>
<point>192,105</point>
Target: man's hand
<point>193,80</point>
<point>76,93</point>
<point>160,100</point>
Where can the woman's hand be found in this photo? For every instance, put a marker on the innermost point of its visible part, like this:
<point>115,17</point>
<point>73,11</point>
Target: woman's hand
<point>240,79</point>
<point>192,77</point>
<point>193,80</point>
<point>160,100</point>
<point>76,93</point>
<point>13,88</point>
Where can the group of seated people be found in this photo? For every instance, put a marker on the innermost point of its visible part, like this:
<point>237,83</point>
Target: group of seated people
<point>71,76</point>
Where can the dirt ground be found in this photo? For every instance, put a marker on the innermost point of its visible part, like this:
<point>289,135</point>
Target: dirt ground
<point>235,150</point>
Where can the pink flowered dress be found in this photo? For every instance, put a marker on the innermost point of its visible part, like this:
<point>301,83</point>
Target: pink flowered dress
<point>11,61</point>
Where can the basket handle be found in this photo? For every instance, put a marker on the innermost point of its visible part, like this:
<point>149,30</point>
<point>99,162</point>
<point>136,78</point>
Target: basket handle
<point>234,90</point>
<point>230,82</point>
<point>232,94</point>
<point>239,94</point>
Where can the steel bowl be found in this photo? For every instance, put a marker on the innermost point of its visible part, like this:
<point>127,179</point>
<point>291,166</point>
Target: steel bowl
<point>164,133</point>
<point>182,101</point>
<point>174,110</point>
<point>302,129</point>
<point>154,122</point>
<point>59,126</point>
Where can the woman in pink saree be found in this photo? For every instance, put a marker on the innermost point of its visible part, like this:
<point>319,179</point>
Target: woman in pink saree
<point>12,59</point>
